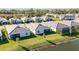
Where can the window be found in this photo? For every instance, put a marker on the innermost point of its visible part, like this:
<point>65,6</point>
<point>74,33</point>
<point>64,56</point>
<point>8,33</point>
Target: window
<point>38,31</point>
<point>26,33</point>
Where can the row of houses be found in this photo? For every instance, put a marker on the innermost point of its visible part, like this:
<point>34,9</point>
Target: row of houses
<point>15,20</point>
<point>47,17</point>
<point>3,21</point>
<point>64,16</point>
<point>25,30</point>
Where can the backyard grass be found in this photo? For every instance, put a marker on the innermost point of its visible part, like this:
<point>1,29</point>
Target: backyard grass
<point>33,43</point>
<point>56,19</point>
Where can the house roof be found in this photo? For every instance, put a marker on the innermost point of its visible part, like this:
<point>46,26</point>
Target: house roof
<point>18,20</point>
<point>3,20</point>
<point>32,26</point>
<point>23,18</point>
<point>44,17</point>
<point>26,19</point>
<point>15,19</point>
<point>77,21</point>
<point>35,18</point>
<point>12,18</point>
<point>53,24</point>
<point>70,14</point>
<point>50,24</point>
<point>66,22</point>
<point>10,28</point>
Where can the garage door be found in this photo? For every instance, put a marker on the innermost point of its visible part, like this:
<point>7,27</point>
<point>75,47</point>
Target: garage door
<point>65,30</point>
<point>4,23</point>
<point>47,31</point>
<point>14,36</point>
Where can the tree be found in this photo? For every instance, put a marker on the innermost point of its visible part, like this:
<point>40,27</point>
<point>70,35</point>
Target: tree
<point>74,31</point>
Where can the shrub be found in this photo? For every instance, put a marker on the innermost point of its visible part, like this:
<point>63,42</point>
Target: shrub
<point>4,34</point>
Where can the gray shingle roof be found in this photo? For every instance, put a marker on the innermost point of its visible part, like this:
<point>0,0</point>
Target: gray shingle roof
<point>53,24</point>
<point>66,22</point>
<point>35,18</point>
<point>50,24</point>
<point>77,21</point>
<point>10,28</point>
<point>32,26</point>
<point>3,20</point>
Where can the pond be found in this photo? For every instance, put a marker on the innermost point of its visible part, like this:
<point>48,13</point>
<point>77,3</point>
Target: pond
<point>70,46</point>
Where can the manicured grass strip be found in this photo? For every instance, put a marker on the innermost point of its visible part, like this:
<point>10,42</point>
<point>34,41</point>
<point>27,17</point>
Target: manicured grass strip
<point>32,43</point>
<point>56,19</point>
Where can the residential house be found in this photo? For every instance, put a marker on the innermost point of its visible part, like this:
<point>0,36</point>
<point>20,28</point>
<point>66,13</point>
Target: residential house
<point>37,28</point>
<point>37,19</point>
<point>77,16</point>
<point>55,15</point>
<point>17,31</point>
<point>3,21</point>
<point>75,23</point>
<point>11,20</point>
<point>46,18</point>
<point>27,20</point>
<point>68,17</point>
<point>64,16</point>
<point>72,23</point>
<point>55,26</point>
<point>16,21</point>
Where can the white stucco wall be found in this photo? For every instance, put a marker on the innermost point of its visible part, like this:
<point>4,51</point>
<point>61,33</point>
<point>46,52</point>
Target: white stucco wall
<point>53,29</point>
<point>41,29</point>
<point>23,34</point>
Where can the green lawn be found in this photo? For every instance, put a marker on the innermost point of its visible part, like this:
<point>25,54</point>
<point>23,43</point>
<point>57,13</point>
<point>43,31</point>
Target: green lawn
<point>56,19</point>
<point>32,43</point>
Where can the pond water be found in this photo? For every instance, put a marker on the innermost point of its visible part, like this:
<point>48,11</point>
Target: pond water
<point>70,46</point>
